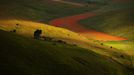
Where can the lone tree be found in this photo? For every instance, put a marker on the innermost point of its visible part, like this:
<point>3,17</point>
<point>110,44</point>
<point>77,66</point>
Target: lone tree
<point>101,43</point>
<point>37,34</point>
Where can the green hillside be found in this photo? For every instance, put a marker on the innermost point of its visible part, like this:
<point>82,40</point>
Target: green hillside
<point>20,54</point>
<point>85,1</point>
<point>38,10</point>
<point>23,56</point>
<point>127,45</point>
<point>119,23</point>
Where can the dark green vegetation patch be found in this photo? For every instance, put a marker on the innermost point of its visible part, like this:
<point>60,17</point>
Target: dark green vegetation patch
<point>23,56</point>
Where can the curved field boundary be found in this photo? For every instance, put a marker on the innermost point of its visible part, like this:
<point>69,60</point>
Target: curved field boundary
<point>71,23</point>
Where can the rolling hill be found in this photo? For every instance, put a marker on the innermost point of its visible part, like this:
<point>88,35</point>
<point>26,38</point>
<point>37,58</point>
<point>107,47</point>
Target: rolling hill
<point>100,1</point>
<point>20,54</point>
<point>25,56</point>
<point>87,1</point>
<point>27,28</point>
<point>38,10</point>
<point>119,23</point>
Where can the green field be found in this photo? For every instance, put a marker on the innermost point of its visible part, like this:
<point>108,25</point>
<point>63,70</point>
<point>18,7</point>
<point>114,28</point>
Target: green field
<point>122,45</point>
<point>23,56</point>
<point>41,11</point>
<point>91,1</point>
<point>118,20</point>
<point>126,46</point>
<point>119,23</point>
<point>20,54</point>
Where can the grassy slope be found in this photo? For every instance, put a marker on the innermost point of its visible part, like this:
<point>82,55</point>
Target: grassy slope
<point>120,23</point>
<point>115,21</point>
<point>101,1</point>
<point>43,10</point>
<point>127,45</point>
<point>24,10</point>
<point>26,28</point>
<point>22,56</point>
<point>84,1</point>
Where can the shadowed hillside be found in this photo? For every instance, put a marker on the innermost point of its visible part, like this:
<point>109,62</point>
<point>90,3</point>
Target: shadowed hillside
<point>58,50</point>
<point>31,57</point>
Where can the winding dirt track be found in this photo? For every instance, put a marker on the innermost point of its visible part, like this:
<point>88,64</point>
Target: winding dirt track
<point>72,24</point>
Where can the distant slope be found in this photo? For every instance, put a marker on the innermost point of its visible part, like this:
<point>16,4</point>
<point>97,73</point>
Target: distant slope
<point>120,23</point>
<point>122,1</point>
<point>101,1</point>
<point>38,10</point>
<point>86,1</point>
<point>22,56</point>
<point>70,3</point>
